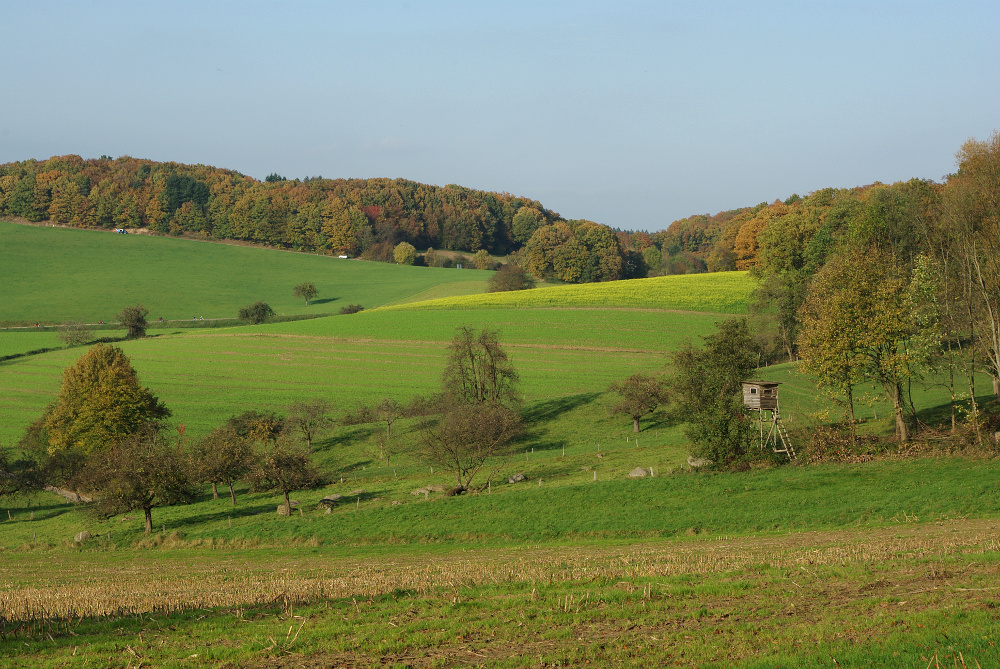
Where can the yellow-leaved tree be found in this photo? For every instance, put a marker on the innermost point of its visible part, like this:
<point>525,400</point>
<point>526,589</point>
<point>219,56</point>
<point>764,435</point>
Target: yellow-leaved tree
<point>100,403</point>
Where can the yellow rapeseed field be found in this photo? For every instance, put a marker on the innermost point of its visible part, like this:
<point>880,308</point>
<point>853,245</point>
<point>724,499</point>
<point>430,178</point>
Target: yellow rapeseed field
<point>720,292</point>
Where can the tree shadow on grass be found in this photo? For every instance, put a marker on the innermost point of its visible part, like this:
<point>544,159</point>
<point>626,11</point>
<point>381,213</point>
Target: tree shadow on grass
<point>324,300</point>
<point>940,415</point>
<point>542,412</point>
<point>344,437</point>
<point>222,514</point>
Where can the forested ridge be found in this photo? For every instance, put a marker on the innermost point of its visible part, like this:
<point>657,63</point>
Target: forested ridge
<point>356,217</point>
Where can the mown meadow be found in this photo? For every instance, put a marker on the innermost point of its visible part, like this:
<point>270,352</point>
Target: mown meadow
<point>891,562</point>
<point>53,275</point>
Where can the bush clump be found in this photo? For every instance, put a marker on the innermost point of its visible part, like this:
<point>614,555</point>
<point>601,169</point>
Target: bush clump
<point>256,313</point>
<point>510,277</point>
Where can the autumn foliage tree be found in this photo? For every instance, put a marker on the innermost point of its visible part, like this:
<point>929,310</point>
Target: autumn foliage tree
<point>971,233</point>
<point>862,321</point>
<point>404,253</point>
<point>100,403</point>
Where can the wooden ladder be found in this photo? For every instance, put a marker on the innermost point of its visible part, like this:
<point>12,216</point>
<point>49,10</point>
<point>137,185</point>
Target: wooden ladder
<point>786,442</point>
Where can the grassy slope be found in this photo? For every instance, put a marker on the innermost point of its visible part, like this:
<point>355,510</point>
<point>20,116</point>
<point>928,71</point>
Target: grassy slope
<point>566,358</point>
<point>205,376</point>
<point>59,274</point>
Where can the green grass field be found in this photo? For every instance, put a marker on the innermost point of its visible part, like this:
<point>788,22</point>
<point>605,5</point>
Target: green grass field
<point>885,563</point>
<point>52,275</point>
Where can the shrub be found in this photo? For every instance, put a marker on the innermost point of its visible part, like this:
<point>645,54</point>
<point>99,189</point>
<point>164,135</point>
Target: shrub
<point>134,319</point>
<point>75,333</point>
<point>351,309</point>
<point>256,313</point>
<point>510,277</point>
<point>404,253</point>
<point>483,260</point>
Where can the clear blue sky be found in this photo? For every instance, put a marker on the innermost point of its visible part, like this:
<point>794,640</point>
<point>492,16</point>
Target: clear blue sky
<point>631,114</point>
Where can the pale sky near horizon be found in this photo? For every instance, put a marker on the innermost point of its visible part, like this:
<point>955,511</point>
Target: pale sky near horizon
<point>631,114</point>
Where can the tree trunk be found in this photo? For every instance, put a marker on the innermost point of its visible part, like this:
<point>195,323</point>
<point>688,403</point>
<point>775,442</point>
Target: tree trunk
<point>635,424</point>
<point>850,413</point>
<point>232,491</point>
<point>149,519</point>
<point>951,387</point>
<point>996,387</point>
<point>898,408</point>
<point>215,490</point>
<point>288,504</point>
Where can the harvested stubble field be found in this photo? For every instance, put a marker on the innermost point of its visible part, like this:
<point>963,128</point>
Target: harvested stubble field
<point>897,596</point>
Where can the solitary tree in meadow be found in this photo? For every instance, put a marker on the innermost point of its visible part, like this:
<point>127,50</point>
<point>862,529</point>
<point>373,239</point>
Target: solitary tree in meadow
<point>640,395</point>
<point>100,402</point>
<point>305,290</point>
<point>478,370</point>
<point>134,320</point>
<point>477,415</point>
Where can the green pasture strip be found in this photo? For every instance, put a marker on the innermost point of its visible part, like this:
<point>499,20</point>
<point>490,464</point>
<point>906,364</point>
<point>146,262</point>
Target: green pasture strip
<point>451,289</point>
<point>566,507</point>
<point>20,342</point>
<point>52,275</point>
<point>585,327</point>
<point>850,599</point>
<point>720,292</point>
<point>206,376</point>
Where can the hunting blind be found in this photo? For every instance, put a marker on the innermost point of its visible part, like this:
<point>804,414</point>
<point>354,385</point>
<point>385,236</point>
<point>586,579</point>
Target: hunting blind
<point>762,396</point>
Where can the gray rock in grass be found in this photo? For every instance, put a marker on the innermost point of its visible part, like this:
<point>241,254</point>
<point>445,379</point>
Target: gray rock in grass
<point>329,501</point>
<point>638,473</point>
<point>517,478</point>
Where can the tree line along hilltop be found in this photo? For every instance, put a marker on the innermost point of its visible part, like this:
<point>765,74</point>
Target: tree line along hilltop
<point>369,217</point>
<point>356,217</point>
